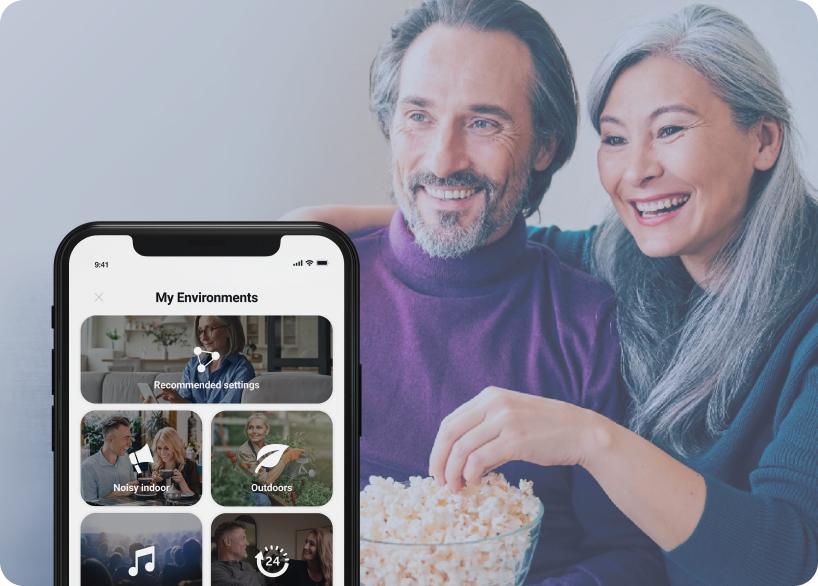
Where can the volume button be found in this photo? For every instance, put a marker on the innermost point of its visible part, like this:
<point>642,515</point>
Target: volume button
<point>53,427</point>
<point>53,372</point>
<point>53,318</point>
<point>360,408</point>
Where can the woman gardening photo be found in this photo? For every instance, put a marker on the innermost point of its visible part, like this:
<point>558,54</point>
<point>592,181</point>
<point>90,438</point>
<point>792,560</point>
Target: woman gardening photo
<point>257,429</point>
<point>267,459</point>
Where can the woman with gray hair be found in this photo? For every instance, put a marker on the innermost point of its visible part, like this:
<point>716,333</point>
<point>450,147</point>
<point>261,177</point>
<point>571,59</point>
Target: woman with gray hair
<point>219,362</point>
<point>713,258</point>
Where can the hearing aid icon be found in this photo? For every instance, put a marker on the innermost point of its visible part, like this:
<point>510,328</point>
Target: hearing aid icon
<point>204,362</point>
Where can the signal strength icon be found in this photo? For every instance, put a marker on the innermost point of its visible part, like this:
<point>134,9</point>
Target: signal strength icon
<point>309,262</point>
<point>300,263</point>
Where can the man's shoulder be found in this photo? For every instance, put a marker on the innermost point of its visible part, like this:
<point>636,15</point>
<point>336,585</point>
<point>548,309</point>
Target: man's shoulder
<point>369,237</point>
<point>91,461</point>
<point>225,569</point>
<point>220,570</point>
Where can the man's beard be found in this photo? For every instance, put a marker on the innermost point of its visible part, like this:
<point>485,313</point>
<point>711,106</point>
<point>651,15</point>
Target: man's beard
<point>447,238</point>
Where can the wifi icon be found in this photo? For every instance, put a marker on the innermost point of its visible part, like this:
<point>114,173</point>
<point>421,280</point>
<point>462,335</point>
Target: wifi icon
<point>309,262</point>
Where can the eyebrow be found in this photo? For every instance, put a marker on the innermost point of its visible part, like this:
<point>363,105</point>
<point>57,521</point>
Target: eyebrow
<point>655,114</point>
<point>476,108</point>
<point>489,109</point>
<point>416,101</point>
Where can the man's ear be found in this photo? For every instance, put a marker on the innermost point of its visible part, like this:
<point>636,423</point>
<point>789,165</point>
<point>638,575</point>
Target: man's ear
<point>545,154</point>
<point>769,134</point>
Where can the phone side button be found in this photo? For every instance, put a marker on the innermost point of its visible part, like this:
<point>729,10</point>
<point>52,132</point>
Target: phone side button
<point>53,426</point>
<point>53,372</point>
<point>360,409</point>
<point>53,320</point>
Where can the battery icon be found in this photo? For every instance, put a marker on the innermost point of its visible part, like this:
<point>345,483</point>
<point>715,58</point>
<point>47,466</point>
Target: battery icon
<point>321,262</point>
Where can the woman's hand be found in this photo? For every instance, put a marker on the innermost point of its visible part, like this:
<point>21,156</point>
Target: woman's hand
<point>662,496</point>
<point>293,454</point>
<point>171,396</point>
<point>500,426</point>
<point>156,477</point>
<point>179,479</point>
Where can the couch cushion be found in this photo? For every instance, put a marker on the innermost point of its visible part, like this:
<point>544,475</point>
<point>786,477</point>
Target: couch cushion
<point>120,387</point>
<point>169,377</point>
<point>91,385</point>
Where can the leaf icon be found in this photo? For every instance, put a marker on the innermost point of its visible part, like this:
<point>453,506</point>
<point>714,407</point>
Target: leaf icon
<point>275,451</point>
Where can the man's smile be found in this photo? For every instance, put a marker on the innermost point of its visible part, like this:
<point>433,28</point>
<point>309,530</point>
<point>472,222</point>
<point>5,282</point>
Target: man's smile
<point>450,192</point>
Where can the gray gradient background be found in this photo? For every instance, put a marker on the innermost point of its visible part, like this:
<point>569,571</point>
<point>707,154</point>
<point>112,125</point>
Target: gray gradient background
<point>155,110</point>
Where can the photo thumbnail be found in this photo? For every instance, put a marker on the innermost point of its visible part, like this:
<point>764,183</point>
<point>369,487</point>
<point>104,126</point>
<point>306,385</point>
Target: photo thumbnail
<point>206,359</point>
<point>272,458</point>
<point>271,548</point>
<point>141,458</point>
<point>120,548</point>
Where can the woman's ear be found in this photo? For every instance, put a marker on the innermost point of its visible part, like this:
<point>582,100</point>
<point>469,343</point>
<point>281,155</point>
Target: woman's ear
<point>769,133</point>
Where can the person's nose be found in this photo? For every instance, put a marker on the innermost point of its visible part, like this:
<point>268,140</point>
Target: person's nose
<point>642,165</point>
<point>448,152</point>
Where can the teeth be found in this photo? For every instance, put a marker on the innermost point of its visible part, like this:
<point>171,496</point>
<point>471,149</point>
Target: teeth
<point>654,206</point>
<point>449,193</point>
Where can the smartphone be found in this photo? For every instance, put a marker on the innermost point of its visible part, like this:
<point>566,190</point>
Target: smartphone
<point>206,404</point>
<point>148,394</point>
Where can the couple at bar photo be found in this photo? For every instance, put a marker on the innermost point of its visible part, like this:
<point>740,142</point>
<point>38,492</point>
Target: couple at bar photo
<point>655,376</point>
<point>114,444</point>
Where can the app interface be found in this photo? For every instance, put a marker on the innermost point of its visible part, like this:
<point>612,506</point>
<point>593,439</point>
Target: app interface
<point>205,415</point>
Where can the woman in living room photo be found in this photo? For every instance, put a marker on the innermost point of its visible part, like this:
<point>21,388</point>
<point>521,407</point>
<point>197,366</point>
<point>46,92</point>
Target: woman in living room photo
<point>713,257</point>
<point>221,341</point>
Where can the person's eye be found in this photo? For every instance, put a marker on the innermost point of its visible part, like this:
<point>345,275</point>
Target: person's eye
<point>613,140</point>
<point>667,131</point>
<point>484,125</point>
<point>418,117</point>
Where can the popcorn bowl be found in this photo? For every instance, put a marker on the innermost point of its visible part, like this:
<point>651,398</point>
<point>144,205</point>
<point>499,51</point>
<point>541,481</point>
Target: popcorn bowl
<point>502,559</point>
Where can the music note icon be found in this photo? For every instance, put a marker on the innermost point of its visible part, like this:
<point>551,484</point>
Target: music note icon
<point>149,565</point>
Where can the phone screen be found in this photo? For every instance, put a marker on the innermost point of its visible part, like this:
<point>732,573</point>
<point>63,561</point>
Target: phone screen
<point>205,426</point>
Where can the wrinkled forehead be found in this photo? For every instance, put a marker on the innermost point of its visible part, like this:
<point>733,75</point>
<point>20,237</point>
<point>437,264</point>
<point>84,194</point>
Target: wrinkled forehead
<point>456,67</point>
<point>658,84</point>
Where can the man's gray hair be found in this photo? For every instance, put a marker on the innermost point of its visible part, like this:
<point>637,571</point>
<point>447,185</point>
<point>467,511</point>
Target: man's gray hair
<point>553,95</point>
<point>692,355</point>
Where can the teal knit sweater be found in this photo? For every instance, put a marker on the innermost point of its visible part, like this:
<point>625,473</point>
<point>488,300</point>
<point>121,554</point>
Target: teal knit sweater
<point>760,520</point>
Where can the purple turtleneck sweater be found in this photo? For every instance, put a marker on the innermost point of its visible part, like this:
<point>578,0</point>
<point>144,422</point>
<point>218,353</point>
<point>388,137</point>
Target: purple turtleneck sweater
<point>436,332</point>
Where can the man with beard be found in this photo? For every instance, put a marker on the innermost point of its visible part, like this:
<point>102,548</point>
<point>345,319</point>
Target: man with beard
<point>479,106</point>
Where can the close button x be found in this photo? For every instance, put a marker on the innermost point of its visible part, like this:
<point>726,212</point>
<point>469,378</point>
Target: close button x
<point>97,297</point>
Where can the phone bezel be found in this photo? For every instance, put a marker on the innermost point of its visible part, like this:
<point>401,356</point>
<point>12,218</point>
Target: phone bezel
<point>226,230</point>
